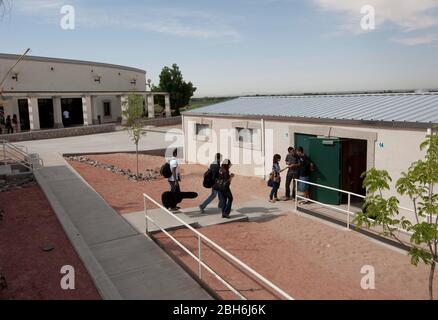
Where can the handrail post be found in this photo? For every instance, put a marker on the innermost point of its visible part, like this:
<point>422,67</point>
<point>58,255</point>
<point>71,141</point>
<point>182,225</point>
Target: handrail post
<point>4,152</point>
<point>348,209</point>
<point>146,215</point>
<point>296,194</point>
<point>199,257</point>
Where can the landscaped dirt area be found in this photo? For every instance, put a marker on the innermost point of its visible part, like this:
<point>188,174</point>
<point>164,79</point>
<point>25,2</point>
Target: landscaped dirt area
<point>28,226</point>
<point>305,257</point>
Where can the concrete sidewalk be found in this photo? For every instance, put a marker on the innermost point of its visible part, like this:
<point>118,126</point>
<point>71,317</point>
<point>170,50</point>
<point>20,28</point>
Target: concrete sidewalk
<point>248,211</point>
<point>123,262</point>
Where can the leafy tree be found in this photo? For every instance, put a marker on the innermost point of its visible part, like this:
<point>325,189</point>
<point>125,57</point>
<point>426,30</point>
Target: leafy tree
<point>133,113</point>
<point>418,184</point>
<point>172,81</point>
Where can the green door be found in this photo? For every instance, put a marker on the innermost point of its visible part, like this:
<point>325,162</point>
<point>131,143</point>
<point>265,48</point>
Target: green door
<point>325,153</point>
<point>303,140</point>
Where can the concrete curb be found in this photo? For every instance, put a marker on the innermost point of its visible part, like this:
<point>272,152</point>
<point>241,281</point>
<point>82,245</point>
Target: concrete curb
<point>104,285</point>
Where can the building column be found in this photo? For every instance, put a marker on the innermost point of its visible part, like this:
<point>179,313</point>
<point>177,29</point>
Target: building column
<point>124,104</point>
<point>87,108</point>
<point>57,112</point>
<point>34,115</point>
<point>167,105</point>
<point>151,107</point>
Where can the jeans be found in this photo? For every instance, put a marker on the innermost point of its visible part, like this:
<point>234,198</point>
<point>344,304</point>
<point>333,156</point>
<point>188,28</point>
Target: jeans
<point>303,187</point>
<point>209,199</point>
<point>226,199</point>
<point>174,187</point>
<point>274,190</point>
<point>290,179</point>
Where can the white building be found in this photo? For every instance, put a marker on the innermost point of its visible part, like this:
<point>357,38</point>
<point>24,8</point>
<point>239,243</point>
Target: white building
<point>343,134</point>
<point>40,90</point>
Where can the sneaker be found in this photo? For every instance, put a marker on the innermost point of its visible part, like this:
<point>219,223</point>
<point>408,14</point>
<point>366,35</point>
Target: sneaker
<point>202,210</point>
<point>174,209</point>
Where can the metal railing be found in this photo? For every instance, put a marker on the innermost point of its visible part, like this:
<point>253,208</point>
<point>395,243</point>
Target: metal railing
<point>348,212</point>
<point>201,264</point>
<point>10,153</point>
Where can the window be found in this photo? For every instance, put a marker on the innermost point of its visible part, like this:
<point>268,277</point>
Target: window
<point>202,130</point>
<point>244,135</point>
<point>107,109</point>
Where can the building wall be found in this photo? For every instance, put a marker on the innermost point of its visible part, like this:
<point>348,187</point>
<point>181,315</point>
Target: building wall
<point>56,75</point>
<point>67,76</point>
<point>391,149</point>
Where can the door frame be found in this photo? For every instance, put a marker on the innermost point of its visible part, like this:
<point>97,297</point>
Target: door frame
<point>329,131</point>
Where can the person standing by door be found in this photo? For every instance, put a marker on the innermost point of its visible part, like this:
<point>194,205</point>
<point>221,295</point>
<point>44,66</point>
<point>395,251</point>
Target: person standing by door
<point>292,173</point>
<point>306,166</point>
<point>66,117</point>
<point>275,178</point>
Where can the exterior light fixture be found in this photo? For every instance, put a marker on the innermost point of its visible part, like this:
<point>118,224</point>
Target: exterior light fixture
<point>15,76</point>
<point>133,81</point>
<point>97,79</point>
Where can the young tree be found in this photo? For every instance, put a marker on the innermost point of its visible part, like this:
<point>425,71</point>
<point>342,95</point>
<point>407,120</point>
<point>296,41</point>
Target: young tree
<point>180,92</point>
<point>133,113</point>
<point>418,184</point>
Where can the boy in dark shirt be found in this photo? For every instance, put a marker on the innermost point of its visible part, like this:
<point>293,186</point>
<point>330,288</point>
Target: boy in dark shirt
<point>306,166</point>
<point>292,173</point>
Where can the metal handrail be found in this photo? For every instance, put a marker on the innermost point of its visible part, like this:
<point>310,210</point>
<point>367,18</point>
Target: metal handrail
<point>348,211</point>
<point>15,147</point>
<point>13,152</point>
<point>198,258</point>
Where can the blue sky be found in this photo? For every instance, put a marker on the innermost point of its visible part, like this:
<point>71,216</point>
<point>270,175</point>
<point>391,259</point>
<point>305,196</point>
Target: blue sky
<point>242,46</point>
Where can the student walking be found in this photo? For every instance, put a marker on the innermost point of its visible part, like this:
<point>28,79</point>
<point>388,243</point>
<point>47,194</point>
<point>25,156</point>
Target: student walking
<point>275,178</point>
<point>175,178</point>
<point>213,173</point>
<point>222,185</point>
<point>292,173</point>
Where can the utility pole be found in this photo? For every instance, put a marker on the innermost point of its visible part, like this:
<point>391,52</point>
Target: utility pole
<point>12,68</point>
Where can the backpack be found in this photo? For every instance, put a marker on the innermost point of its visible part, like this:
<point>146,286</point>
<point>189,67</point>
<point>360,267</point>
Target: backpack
<point>165,170</point>
<point>208,179</point>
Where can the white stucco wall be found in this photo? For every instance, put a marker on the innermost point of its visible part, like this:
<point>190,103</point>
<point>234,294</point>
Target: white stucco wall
<point>36,75</point>
<point>393,149</point>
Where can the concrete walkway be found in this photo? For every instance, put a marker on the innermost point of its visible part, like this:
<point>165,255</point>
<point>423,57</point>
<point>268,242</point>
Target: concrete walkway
<point>248,211</point>
<point>123,262</point>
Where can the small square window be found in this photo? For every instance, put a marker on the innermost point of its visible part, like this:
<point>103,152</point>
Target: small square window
<point>107,109</point>
<point>245,135</point>
<point>202,130</point>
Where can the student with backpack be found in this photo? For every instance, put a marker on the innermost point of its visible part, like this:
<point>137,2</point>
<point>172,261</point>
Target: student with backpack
<point>222,186</point>
<point>209,180</point>
<point>170,170</point>
<point>275,178</point>
<point>175,178</point>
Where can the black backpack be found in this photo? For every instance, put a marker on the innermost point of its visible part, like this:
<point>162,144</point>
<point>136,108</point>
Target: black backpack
<point>165,170</point>
<point>208,179</point>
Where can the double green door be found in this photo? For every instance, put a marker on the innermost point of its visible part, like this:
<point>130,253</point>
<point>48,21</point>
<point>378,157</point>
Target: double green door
<point>326,154</point>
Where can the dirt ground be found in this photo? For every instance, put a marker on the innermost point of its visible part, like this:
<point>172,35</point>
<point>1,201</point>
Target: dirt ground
<point>31,273</point>
<point>305,257</point>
